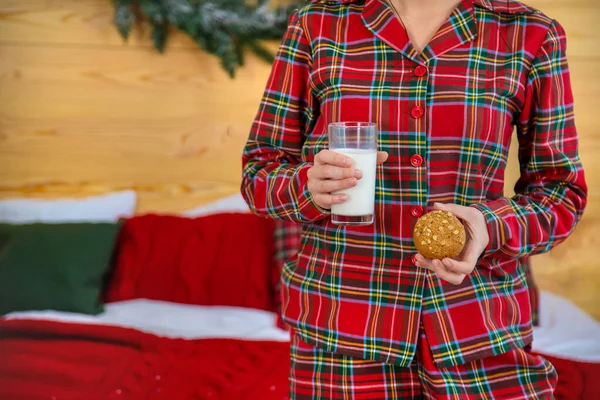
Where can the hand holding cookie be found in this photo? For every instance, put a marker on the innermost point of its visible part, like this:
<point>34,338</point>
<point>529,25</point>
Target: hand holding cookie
<point>451,253</point>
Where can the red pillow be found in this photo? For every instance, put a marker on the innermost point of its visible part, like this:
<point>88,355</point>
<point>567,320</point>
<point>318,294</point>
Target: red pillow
<point>223,259</point>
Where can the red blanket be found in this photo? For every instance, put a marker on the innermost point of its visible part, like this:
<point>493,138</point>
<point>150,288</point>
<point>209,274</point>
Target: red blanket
<point>52,360</point>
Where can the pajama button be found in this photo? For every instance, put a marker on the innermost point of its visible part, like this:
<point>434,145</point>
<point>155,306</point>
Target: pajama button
<point>414,259</point>
<point>416,160</point>
<point>417,112</point>
<point>420,70</point>
<point>417,211</point>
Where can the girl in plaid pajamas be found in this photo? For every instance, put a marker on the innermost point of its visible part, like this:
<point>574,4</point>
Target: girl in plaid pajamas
<point>446,81</point>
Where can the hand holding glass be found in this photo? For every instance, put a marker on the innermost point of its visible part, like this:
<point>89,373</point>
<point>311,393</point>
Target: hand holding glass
<point>358,141</point>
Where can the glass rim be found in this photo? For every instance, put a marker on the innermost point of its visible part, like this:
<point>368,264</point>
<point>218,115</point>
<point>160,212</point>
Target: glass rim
<point>353,124</point>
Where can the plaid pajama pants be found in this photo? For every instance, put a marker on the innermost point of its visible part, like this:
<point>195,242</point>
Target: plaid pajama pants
<point>318,374</point>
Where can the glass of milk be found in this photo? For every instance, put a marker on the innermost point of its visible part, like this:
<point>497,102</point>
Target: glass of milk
<point>358,141</point>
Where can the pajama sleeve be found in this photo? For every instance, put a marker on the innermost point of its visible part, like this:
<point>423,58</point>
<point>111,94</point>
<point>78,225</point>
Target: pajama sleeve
<point>551,192</point>
<point>274,175</point>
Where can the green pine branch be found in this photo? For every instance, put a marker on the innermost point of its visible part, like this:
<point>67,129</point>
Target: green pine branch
<point>225,28</point>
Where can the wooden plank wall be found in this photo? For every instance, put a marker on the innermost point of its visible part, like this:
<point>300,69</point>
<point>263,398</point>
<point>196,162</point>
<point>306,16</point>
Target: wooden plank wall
<point>81,113</point>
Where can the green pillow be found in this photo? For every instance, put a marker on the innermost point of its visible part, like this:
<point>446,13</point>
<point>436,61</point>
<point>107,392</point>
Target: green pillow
<point>54,266</point>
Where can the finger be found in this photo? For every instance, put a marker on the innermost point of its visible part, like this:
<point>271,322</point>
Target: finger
<point>332,158</point>
<point>423,261</point>
<point>462,212</point>
<point>333,172</point>
<point>333,186</point>
<point>459,267</point>
<point>327,200</point>
<point>438,267</point>
<point>382,157</point>
<point>455,278</point>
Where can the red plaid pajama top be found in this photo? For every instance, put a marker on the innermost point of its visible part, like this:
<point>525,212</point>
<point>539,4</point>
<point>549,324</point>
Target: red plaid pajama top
<point>446,118</point>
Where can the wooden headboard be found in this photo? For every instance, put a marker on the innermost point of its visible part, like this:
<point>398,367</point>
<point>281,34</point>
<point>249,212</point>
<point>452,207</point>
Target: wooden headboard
<point>82,113</point>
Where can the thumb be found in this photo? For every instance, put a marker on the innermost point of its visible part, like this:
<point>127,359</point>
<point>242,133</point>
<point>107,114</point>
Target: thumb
<point>382,157</point>
<point>461,212</point>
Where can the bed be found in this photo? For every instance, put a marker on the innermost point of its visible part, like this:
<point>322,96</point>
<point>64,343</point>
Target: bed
<point>148,349</point>
<point>144,349</point>
<point>207,326</point>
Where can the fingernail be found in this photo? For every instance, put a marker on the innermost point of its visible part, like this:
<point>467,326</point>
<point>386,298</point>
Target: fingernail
<point>358,174</point>
<point>438,205</point>
<point>347,161</point>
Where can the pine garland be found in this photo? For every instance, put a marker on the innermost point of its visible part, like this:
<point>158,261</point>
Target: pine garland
<point>225,28</point>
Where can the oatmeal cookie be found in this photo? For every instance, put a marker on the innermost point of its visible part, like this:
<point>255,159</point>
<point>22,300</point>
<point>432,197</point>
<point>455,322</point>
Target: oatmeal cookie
<point>439,234</point>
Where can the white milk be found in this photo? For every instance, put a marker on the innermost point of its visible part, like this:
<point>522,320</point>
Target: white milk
<point>361,198</point>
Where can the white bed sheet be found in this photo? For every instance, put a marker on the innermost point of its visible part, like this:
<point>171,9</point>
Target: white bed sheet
<point>174,320</point>
<point>565,330</point>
